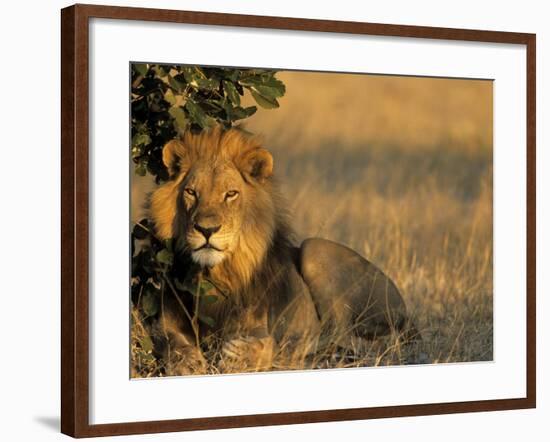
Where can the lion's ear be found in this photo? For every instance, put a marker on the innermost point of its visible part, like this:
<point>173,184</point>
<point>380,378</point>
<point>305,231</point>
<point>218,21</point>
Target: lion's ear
<point>258,163</point>
<point>174,155</point>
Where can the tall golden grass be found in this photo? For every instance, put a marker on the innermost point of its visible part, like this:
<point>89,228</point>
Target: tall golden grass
<point>399,169</point>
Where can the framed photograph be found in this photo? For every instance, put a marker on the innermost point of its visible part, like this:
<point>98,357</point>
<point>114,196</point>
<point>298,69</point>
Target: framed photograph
<point>273,220</point>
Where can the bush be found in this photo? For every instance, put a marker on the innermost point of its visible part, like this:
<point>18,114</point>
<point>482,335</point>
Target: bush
<point>168,100</point>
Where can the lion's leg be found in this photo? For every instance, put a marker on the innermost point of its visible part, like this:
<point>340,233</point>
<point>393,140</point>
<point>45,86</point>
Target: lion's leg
<point>296,330</point>
<point>353,296</point>
<point>295,324</point>
<point>175,342</point>
<point>248,346</point>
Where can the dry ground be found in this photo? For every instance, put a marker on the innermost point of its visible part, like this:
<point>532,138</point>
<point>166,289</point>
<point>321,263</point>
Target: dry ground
<point>399,169</point>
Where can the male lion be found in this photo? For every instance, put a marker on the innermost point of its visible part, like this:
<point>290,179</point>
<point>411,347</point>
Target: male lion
<point>228,223</point>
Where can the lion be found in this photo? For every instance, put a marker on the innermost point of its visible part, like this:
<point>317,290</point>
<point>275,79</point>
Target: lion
<point>229,225</point>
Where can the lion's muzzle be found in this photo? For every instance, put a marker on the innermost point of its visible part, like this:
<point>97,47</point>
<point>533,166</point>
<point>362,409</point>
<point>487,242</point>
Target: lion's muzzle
<point>207,249</point>
<point>208,256</point>
<point>207,232</point>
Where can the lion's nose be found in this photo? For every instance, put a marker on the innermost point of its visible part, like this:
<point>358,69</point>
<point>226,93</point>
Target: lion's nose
<point>207,231</point>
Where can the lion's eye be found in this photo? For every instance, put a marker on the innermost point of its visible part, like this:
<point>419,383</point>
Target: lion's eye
<point>232,194</point>
<point>190,191</point>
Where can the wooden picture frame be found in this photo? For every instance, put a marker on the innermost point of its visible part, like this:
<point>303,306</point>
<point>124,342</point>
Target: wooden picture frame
<point>75,219</point>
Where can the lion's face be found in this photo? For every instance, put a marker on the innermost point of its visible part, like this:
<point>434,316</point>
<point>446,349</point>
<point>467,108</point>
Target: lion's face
<point>214,200</point>
<point>218,203</point>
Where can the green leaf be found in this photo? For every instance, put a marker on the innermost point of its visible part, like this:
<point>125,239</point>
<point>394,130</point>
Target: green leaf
<point>251,81</point>
<point>170,97</point>
<point>179,117</point>
<point>231,92</point>
<point>232,74</point>
<point>161,71</point>
<point>268,86</point>
<point>268,91</point>
<point>206,287</point>
<point>141,168</point>
<point>169,244</point>
<point>250,110</point>
<point>266,103</point>
<point>141,139</point>
<point>207,320</point>
<point>141,68</point>
<point>198,115</point>
<point>213,105</point>
<point>239,113</point>
<point>189,75</point>
<point>146,343</point>
<point>197,78</point>
<point>207,83</point>
<point>276,84</point>
<point>149,301</point>
<point>209,299</point>
<point>165,257</point>
<point>176,84</point>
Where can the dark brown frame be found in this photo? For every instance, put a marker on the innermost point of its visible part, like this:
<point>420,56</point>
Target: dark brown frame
<point>74,219</point>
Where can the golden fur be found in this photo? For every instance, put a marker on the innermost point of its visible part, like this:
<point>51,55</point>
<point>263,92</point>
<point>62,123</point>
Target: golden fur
<point>210,159</point>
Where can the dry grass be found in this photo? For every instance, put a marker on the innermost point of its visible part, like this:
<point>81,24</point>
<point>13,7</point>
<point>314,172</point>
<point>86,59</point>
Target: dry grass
<point>399,169</point>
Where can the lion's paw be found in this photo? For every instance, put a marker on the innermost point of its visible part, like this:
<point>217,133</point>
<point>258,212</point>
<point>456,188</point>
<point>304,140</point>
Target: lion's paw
<point>247,353</point>
<point>185,361</point>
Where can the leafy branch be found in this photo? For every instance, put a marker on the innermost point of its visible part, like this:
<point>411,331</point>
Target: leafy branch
<point>168,100</point>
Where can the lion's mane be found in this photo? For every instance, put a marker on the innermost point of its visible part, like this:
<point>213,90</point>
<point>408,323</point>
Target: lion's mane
<point>264,248</point>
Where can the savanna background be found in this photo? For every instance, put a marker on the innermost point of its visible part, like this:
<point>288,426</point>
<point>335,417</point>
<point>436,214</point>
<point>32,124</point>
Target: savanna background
<point>400,170</point>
